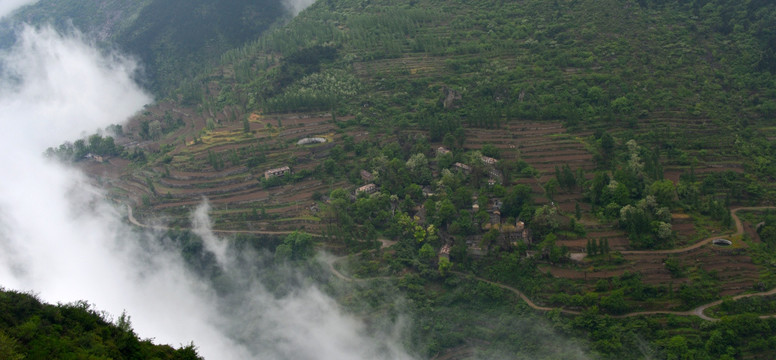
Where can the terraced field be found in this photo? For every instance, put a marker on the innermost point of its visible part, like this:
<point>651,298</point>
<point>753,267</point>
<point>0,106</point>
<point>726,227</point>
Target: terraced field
<point>186,174</point>
<point>240,202</point>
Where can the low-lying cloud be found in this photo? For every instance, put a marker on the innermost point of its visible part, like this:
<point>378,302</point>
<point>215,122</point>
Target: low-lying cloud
<point>56,87</point>
<point>202,226</point>
<point>296,6</point>
<point>61,238</point>
<point>9,6</point>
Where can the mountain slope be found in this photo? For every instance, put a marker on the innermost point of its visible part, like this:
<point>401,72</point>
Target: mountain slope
<point>597,127</point>
<point>172,39</point>
<point>658,74</point>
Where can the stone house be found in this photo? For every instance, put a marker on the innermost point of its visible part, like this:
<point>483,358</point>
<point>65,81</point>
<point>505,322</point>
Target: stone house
<point>281,171</point>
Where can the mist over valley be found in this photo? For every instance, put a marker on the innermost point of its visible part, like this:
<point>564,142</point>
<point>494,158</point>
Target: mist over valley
<point>377,179</point>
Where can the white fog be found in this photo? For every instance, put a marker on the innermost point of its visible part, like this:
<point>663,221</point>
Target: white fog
<point>60,238</point>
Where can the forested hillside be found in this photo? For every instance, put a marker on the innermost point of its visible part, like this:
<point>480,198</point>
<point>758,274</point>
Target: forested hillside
<point>172,39</point>
<point>494,159</point>
<point>30,330</point>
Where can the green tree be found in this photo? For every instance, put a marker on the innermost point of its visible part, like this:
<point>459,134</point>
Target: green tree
<point>545,220</point>
<point>491,151</point>
<point>490,238</point>
<point>676,348</point>
<point>615,302</point>
<point>426,253</point>
<point>516,199</point>
<point>664,192</point>
<point>444,266</point>
<point>9,348</point>
<point>622,105</point>
<point>296,246</point>
<point>446,211</point>
<point>551,188</point>
<point>607,145</point>
<point>592,247</point>
<point>449,141</point>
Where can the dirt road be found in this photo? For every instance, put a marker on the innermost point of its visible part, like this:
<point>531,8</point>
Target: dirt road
<point>698,311</point>
<point>134,221</point>
<point>739,231</point>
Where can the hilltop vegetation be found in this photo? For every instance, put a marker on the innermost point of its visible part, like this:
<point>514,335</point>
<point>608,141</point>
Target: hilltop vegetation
<point>30,330</point>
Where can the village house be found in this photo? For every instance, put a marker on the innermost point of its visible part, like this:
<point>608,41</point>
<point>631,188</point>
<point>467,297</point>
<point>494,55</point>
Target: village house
<point>314,140</point>
<point>281,171</point>
<point>475,248</point>
<point>489,160</point>
<point>94,157</point>
<point>494,174</point>
<point>444,252</point>
<point>495,217</point>
<point>441,151</point>
<point>368,188</point>
<point>526,236</point>
<point>466,168</point>
<point>497,204</point>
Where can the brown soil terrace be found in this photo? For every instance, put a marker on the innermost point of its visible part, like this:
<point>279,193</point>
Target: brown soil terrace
<point>698,311</point>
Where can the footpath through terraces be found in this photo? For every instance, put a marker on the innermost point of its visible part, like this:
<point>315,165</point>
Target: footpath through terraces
<point>698,311</point>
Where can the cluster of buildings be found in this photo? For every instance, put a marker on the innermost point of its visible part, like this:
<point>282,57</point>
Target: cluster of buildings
<point>511,234</point>
<point>494,175</point>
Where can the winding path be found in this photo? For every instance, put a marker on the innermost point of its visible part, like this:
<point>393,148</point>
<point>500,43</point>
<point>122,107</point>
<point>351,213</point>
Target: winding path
<point>739,231</point>
<point>698,311</point>
<point>333,260</point>
<point>133,221</point>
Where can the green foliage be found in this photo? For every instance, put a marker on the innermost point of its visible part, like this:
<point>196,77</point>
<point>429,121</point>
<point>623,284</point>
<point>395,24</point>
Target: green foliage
<point>296,246</point>
<point>427,253</point>
<point>767,231</point>
<point>760,305</point>
<point>597,247</point>
<point>317,91</point>
<point>565,177</point>
<point>517,201</point>
<point>30,329</point>
<point>664,192</point>
<point>215,160</point>
<point>95,144</point>
<point>615,302</point>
